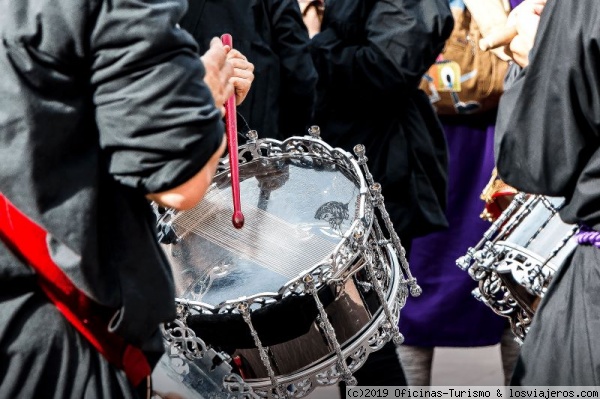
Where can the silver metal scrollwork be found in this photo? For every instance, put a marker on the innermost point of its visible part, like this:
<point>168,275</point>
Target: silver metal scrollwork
<point>264,356</point>
<point>375,188</point>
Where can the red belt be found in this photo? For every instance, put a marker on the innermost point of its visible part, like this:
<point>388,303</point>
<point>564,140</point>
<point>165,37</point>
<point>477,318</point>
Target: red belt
<point>30,241</point>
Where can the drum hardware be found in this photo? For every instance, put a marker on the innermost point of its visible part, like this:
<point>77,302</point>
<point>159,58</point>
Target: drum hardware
<point>378,200</point>
<point>517,257</point>
<point>244,310</point>
<point>325,324</point>
<point>466,261</point>
<point>193,370</point>
<point>359,151</point>
<point>315,298</point>
<point>397,338</point>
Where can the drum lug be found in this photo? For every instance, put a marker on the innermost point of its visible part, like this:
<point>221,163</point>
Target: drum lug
<point>377,197</point>
<point>328,330</point>
<point>392,328</point>
<point>314,132</point>
<point>252,136</point>
<point>244,310</point>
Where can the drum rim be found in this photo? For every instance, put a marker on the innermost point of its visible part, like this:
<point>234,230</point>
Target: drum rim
<point>340,258</point>
<point>540,261</point>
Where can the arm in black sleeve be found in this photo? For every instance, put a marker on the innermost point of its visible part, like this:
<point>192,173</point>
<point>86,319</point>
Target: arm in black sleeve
<point>403,38</point>
<point>548,122</point>
<point>298,74</point>
<point>157,120</point>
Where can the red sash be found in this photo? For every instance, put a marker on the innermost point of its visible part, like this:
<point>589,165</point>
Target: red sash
<point>29,240</point>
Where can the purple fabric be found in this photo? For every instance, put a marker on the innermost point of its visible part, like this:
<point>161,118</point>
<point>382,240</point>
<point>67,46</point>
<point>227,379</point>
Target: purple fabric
<point>587,236</point>
<point>514,3</point>
<point>446,314</point>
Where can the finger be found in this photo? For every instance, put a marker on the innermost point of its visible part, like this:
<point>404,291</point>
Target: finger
<point>248,69</point>
<point>228,91</point>
<point>243,74</point>
<point>241,64</point>
<point>240,84</point>
<point>519,49</point>
<point>219,50</point>
<point>242,87</point>
<point>537,9</point>
<point>227,73</point>
<point>236,54</point>
<point>216,42</point>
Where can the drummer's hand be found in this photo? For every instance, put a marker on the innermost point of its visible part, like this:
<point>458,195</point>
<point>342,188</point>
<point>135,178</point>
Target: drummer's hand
<point>243,74</point>
<point>526,18</point>
<point>219,73</point>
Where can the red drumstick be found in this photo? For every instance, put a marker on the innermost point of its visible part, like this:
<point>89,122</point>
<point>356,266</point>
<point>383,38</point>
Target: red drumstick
<point>231,125</point>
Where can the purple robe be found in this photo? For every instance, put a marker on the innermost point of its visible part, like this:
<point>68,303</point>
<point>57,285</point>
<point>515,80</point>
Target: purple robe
<point>446,314</point>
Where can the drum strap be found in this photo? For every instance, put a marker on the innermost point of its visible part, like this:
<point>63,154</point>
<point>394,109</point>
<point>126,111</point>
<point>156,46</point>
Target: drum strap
<point>30,241</point>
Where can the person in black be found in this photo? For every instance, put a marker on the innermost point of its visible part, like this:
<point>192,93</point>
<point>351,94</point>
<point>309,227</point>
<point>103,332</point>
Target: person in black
<point>102,107</point>
<point>548,142</point>
<point>273,37</point>
<point>370,56</point>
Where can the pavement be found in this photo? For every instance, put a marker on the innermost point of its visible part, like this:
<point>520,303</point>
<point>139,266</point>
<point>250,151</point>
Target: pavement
<point>479,366</point>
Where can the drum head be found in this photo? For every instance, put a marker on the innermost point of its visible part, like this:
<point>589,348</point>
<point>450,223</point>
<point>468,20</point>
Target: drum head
<point>296,212</point>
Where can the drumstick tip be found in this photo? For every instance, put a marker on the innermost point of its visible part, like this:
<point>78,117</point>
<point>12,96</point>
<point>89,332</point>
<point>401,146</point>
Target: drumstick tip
<point>227,40</point>
<point>238,219</point>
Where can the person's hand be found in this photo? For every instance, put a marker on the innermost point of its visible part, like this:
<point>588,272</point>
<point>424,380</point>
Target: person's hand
<point>219,73</point>
<point>525,18</point>
<point>243,74</point>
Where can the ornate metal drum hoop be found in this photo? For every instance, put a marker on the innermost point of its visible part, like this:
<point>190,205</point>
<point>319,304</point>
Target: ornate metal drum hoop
<point>383,327</point>
<point>345,251</point>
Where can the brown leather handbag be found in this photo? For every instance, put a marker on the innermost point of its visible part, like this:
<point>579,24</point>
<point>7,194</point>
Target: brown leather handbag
<point>465,80</point>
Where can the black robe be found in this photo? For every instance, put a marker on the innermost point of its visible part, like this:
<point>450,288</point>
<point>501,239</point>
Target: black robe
<point>271,34</point>
<point>548,142</point>
<point>370,57</point>
<point>101,103</point>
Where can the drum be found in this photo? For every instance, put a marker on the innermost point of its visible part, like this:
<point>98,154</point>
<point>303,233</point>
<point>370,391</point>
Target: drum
<point>313,282</point>
<point>518,256</point>
<point>191,370</point>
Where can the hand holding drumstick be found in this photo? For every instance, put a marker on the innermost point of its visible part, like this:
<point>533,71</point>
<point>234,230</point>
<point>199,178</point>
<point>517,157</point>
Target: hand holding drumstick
<point>519,32</point>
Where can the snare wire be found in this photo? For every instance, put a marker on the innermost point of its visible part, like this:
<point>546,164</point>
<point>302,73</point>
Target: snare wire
<point>265,239</point>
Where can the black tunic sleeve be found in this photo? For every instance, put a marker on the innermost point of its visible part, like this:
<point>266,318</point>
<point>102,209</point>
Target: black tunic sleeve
<point>298,74</point>
<point>548,129</point>
<point>157,120</point>
<point>403,38</point>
